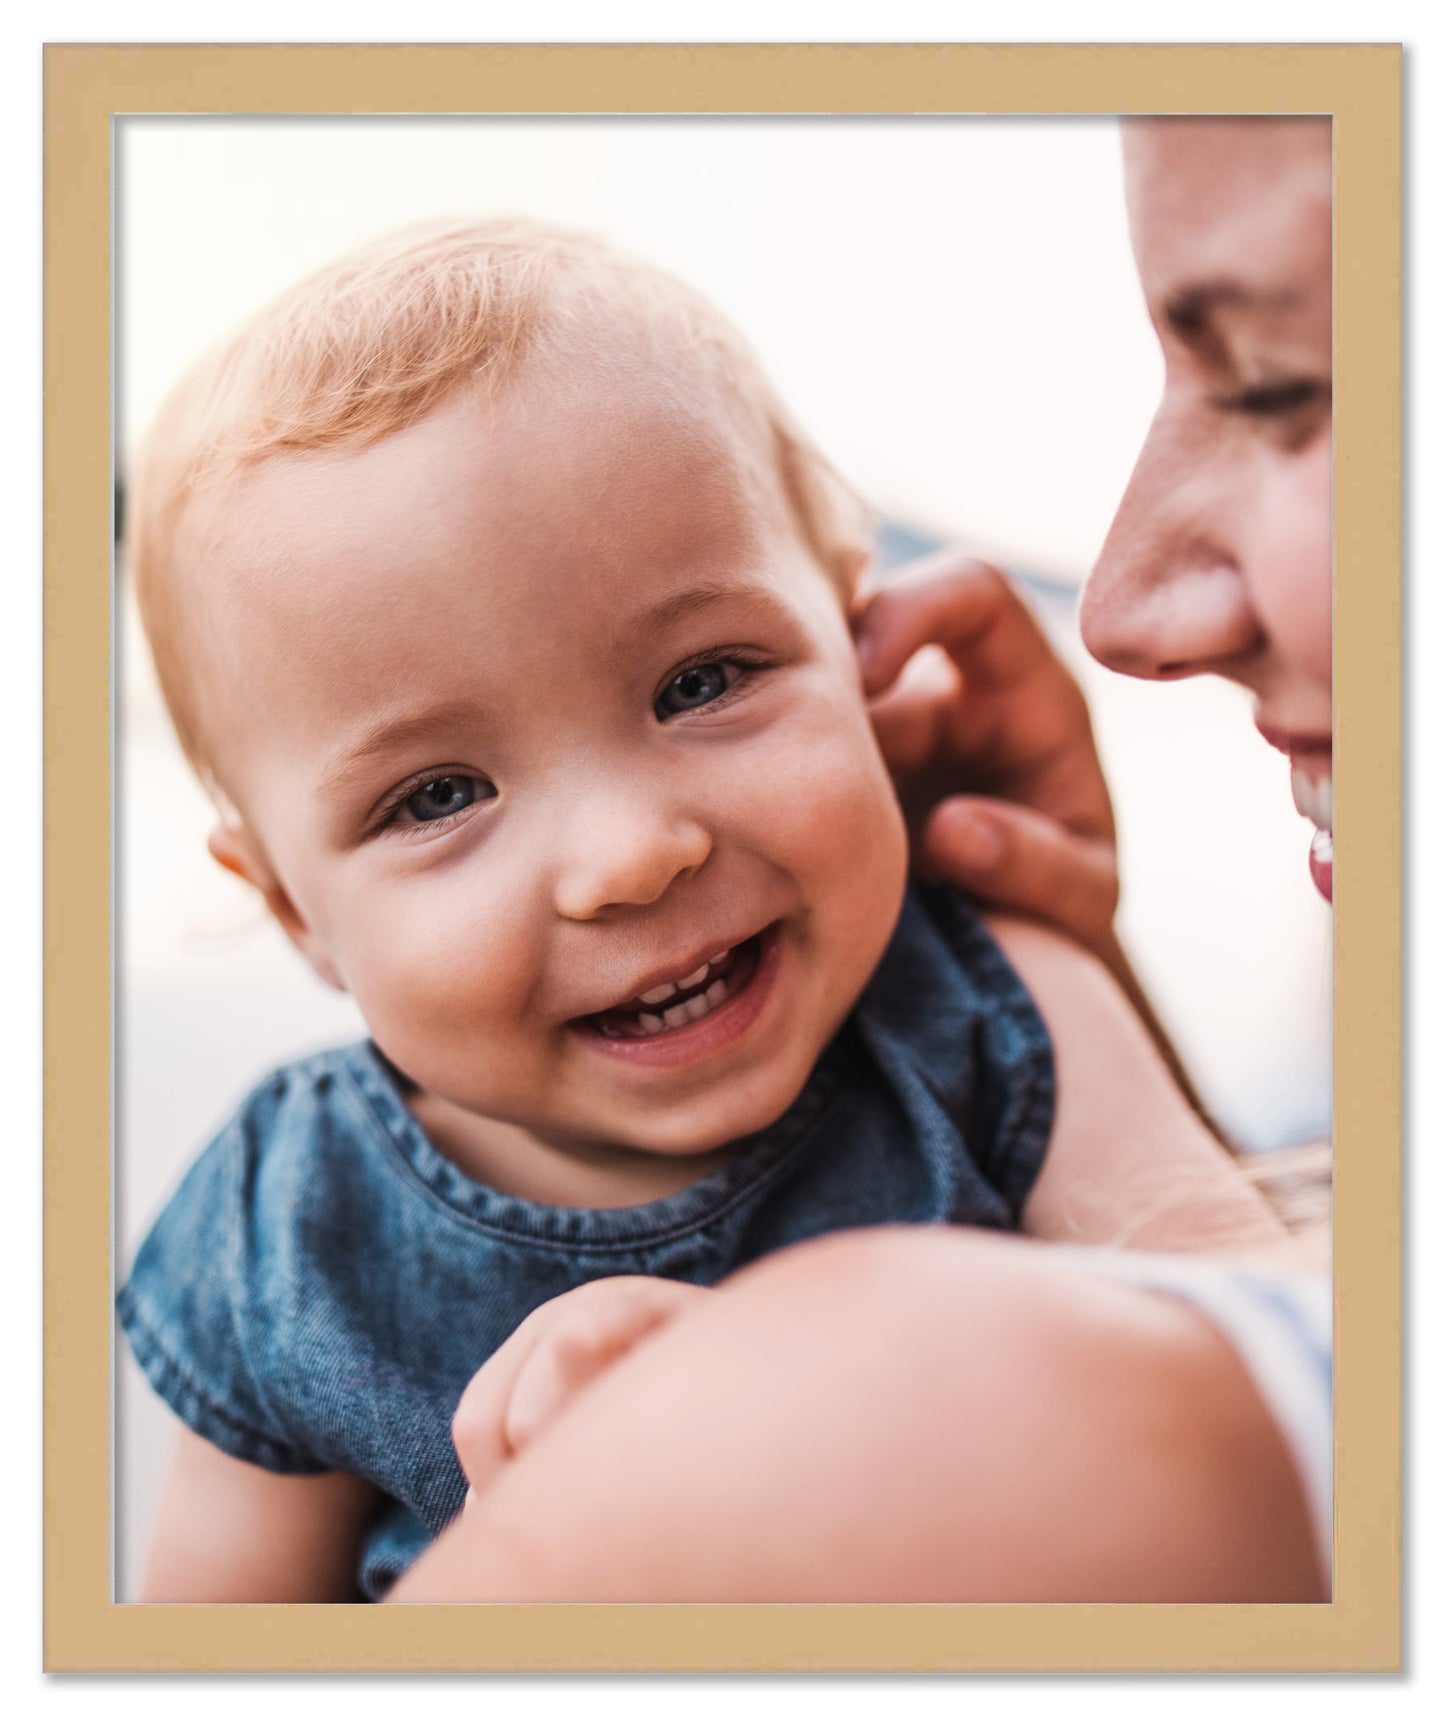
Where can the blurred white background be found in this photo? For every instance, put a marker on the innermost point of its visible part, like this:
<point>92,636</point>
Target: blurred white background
<point>950,307</point>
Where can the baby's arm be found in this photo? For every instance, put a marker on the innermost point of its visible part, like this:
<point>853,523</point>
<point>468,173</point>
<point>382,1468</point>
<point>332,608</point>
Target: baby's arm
<point>1129,1163</point>
<point>229,1532</point>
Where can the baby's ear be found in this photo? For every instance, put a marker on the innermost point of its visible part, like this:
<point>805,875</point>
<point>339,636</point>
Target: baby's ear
<point>235,849</point>
<point>858,580</point>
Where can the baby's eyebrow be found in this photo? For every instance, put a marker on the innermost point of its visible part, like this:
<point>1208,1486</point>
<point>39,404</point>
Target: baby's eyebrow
<point>684,603</point>
<point>392,733</point>
<point>395,733</point>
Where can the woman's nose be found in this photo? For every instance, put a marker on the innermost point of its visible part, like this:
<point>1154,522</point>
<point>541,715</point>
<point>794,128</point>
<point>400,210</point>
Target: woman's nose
<point>1168,597</point>
<point>626,854</point>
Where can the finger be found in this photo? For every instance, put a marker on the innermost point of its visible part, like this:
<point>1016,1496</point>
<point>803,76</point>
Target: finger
<point>478,1433</point>
<point>908,716</point>
<point>1019,859</point>
<point>578,1349</point>
<point>966,606</point>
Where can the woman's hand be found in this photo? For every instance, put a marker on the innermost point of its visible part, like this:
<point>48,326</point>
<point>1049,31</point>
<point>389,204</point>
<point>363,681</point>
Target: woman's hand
<point>992,709</point>
<point>989,704</point>
<point>550,1357</point>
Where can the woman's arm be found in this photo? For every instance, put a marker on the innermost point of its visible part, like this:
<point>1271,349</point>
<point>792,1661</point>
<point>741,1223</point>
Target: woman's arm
<point>922,1415</point>
<point>231,1533</point>
<point>1129,1161</point>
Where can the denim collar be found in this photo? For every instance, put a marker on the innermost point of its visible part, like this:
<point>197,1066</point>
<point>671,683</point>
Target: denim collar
<point>365,1075</point>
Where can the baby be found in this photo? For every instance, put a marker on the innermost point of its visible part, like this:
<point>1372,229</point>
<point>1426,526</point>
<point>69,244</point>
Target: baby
<point>505,615</point>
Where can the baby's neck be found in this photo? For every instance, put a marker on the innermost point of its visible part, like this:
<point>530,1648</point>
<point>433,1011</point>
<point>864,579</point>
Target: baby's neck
<point>587,1176</point>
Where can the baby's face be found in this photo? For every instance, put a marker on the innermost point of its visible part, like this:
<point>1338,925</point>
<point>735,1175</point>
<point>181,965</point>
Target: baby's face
<point>551,732</point>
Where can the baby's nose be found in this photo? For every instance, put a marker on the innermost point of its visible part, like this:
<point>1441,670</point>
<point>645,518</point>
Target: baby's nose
<point>624,856</point>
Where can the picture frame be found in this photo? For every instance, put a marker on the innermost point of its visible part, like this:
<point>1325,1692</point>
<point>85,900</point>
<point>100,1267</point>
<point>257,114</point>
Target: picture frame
<point>87,89</point>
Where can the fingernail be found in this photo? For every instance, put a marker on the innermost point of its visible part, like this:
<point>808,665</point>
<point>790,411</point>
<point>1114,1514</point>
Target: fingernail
<point>867,652</point>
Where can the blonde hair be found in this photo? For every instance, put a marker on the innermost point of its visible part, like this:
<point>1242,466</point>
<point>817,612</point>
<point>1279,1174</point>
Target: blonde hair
<point>377,340</point>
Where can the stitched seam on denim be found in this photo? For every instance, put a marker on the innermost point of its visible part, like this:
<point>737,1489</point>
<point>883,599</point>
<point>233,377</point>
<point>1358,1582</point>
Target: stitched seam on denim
<point>910,1081</point>
<point>823,1090</point>
<point>174,1382</point>
<point>240,1157</point>
<point>1033,1122</point>
<point>397,1159</point>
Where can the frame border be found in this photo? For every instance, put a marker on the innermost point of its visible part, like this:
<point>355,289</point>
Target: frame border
<point>87,87</point>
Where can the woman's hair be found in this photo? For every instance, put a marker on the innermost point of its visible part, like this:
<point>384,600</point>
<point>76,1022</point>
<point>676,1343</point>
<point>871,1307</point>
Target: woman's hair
<point>1298,1181</point>
<point>1295,1181</point>
<point>379,339</point>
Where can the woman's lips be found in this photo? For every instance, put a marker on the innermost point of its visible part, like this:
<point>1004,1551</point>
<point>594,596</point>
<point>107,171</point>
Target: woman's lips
<point>1322,863</point>
<point>1314,797</point>
<point>718,1029</point>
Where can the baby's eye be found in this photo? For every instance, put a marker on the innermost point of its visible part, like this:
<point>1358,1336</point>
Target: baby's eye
<point>701,684</point>
<point>443,797</point>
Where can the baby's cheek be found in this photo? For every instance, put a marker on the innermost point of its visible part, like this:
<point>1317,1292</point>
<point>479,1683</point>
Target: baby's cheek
<point>831,800</point>
<point>437,968</point>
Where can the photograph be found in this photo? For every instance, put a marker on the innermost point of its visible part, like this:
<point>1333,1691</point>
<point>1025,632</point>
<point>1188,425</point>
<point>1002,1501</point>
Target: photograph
<point>724,980</point>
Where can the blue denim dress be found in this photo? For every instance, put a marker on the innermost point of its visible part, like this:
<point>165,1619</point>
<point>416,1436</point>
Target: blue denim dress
<point>324,1283</point>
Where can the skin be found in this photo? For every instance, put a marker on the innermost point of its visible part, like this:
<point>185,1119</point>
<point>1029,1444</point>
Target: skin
<point>827,1395</point>
<point>1219,559</point>
<point>832,1445</point>
<point>827,1427</point>
<point>596,843</point>
<point>617,841</point>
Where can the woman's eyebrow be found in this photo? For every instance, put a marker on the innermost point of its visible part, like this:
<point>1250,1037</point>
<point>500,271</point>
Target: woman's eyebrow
<point>1188,311</point>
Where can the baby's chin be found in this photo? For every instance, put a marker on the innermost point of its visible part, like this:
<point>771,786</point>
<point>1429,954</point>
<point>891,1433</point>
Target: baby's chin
<point>699,1125</point>
<point>723,1132</point>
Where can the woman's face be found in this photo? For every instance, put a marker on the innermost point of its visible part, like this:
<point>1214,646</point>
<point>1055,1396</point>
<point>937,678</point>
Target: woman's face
<point>1218,560</point>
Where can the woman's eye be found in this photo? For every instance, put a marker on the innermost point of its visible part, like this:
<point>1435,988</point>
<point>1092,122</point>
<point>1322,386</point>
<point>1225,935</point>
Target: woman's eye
<point>696,686</point>
<point>1276,399</point>
<point>443,797</point>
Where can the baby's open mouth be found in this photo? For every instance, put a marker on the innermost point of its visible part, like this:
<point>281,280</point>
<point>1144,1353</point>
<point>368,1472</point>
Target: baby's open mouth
<point>669,1007</point>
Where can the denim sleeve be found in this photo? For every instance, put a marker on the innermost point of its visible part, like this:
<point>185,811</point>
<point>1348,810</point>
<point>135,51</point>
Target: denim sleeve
<point>1005,1097</point>
<point>185,1312</point>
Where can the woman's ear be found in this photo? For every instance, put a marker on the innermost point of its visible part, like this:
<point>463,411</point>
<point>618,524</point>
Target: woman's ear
<point>234,849</point>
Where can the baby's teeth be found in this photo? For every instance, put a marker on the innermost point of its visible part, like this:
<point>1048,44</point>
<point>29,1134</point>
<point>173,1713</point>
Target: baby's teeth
<point>695,1007</point>
<point>665,992</point>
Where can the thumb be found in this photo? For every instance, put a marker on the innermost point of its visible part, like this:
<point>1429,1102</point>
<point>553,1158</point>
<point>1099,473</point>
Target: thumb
<point>1020,859</point>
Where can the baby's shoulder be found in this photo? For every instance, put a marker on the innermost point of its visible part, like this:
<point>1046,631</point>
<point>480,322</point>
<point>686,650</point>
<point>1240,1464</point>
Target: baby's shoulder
<point>303,1102</point>
<point>946,973</point>
<point>219,1293</point>
<point>272,1161</point>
